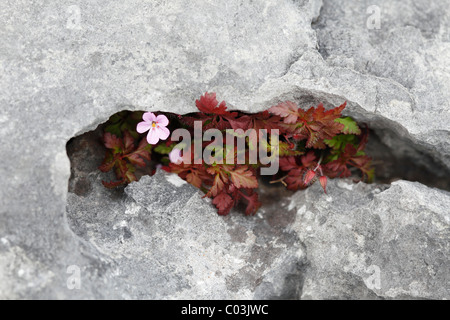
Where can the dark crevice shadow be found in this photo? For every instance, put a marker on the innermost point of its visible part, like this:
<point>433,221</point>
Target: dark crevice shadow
<point>404,161</point>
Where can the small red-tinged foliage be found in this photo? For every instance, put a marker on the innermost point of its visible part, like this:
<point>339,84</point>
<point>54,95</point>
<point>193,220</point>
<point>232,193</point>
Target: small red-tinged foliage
<point>288,163</point>
<point>309,159</point>
<point>315,144</point>
<point>287,110</point>
<point>243,177</point>
<point>253,203</point>
<point>265,120</point>
<point>108,163</point>
<point>223,203</point>
<point>112,142</point>
<point>209,104</point>
<point>294,180</point>
<point>113,184</point>
<point>314,125</point>
<point>219,182</point>
<point>215,115</point>
<point>351,157</point>
<point>128,142</point>
<point>122,156</point>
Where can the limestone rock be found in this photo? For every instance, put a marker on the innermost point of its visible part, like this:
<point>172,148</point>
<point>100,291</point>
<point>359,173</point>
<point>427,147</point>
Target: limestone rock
<point>65,68</point>
<point>165,242</point>
<point>372,242</point>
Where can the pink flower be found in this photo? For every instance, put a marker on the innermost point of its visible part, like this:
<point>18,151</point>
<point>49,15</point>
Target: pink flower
<point>175,156</point>
<point>156,127</point>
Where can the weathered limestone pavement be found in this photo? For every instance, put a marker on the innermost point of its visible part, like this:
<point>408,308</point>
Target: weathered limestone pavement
<point>67,67</point>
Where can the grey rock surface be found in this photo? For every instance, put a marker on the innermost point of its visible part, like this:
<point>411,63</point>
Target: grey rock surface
<point>65,68</point>
<point>164,241</point>
<point>357,242</point>
<point>403,65</point>
<point>374,242</point>
<point>395,78</point>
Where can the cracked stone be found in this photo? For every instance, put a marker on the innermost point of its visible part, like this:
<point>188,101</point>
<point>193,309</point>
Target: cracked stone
<point>66,68</point>
<point>375,242</point>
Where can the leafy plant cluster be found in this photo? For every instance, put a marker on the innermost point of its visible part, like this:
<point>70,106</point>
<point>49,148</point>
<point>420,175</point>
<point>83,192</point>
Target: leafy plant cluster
<point>315,144</point>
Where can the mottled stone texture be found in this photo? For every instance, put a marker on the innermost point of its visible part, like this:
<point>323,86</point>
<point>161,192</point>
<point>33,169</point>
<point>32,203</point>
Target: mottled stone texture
<point>67,66</point>
<point>375,242</point>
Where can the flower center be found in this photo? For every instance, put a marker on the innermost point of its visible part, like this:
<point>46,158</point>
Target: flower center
<point>153,124</point>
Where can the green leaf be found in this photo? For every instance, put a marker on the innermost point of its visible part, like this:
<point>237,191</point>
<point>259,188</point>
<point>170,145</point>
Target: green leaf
<point>108,163</point>
<point>350,126</point>
<point>370,175</point>
<point>163,149</point>
<point>124,121</point>
<point>339,142</point>
<point>114,129</point>
<point>332,157</point>
<point>286,150</point>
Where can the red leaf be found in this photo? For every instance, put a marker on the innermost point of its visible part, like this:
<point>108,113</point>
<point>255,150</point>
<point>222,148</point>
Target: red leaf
<point>264,120</point>
<point>337,168</point>
<point>220,179</point>
<point>112,142</point>
<point>321,115</point>
<point>129,176</point>
<point>287,110</point>
<point>294,180</point>
<point>144,149</point>
<point>120,168</point>
<point>316,124</point>
<point>136,159</point>
<point>308,159</point>
<point>239,123</point>
<point>108,163</point>
<point>194,179</point>
<point>223,203</point>
<point>113,184</point>
<point>288,163</point>
<point>142,152</point>
<point>252,203</point>
<point>243,178</point>
<point>128,141</point>
<point>209,104</point>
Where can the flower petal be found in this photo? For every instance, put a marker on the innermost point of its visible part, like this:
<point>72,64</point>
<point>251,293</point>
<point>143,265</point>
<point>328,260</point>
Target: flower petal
<point>153,136</point>
<point>163,132</point>
<point>149,117</point>
<point>162,120</point>
<point>175,156</point>
<point>143,126</point>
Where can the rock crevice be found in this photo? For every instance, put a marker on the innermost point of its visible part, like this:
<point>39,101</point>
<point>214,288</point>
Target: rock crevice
<point>66,67</point>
